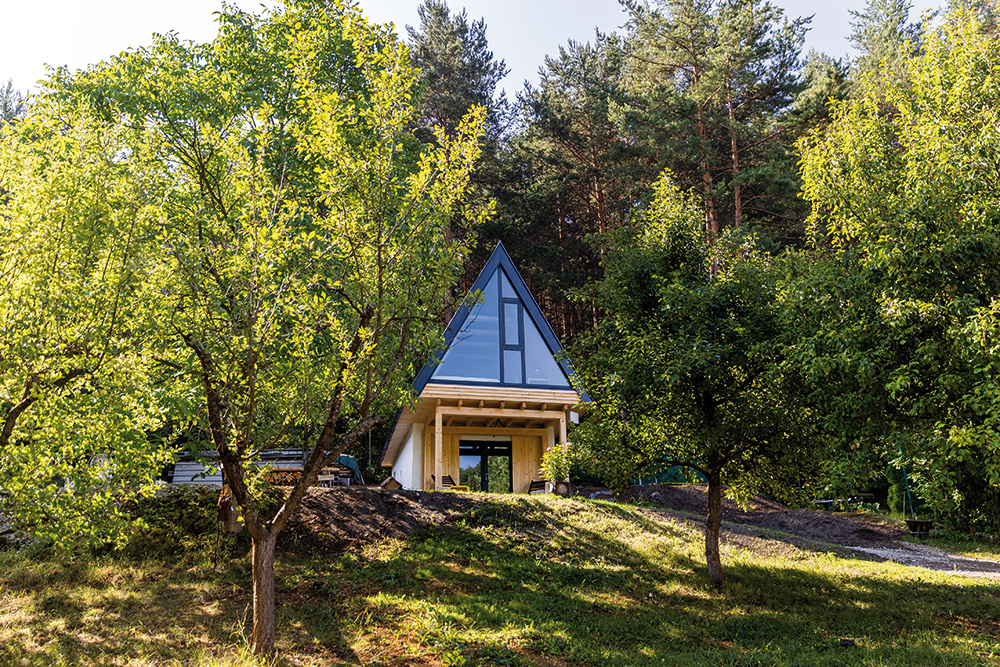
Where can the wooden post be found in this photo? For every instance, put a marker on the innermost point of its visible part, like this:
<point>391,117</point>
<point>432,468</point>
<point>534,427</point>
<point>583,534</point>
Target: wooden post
<point>438,449</point>
<point>562,431</point>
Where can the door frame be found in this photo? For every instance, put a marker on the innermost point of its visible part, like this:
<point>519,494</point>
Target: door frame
<point>483,447</point>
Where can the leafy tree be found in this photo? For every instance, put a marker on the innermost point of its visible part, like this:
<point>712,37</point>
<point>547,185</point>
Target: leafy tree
<point>986,12</point>
<point>686,369</point>
<point>905,193</point>
<point>73,420</point>
<point>717,84</point>
<point>885,39</point>
<point>301,251</point>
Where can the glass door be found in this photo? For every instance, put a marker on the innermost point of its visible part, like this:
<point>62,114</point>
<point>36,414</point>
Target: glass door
<point>485,466</point>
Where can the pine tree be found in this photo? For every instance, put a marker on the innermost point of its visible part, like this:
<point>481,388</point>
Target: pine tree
<point>572,174</point>
<point>457,70</point>
<point>884,38</point>
<point>717,83</point>
<point>13,103</point>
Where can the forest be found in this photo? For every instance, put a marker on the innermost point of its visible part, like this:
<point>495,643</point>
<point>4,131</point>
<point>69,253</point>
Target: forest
<point>772,267</point>
<point>776,270</point>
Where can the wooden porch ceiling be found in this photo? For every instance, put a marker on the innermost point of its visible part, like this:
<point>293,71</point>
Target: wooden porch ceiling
<point>465,406</point>
<point>494,407</point>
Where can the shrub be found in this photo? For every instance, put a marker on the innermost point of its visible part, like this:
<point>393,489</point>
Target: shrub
<point>557,461</point>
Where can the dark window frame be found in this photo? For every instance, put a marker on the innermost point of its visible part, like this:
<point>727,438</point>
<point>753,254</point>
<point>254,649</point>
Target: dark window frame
<point>514,300</point>
<point>484,449</point>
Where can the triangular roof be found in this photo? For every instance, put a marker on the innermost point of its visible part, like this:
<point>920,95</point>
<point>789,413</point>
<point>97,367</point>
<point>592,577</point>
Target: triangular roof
<point>483,345</point>
<point>479,330</point>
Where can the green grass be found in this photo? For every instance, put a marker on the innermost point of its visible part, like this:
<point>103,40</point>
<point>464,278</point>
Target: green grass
<point>972,547</point>
<point>514,581</point>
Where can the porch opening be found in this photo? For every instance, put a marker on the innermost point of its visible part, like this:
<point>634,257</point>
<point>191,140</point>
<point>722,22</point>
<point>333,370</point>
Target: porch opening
<point>485,466</point>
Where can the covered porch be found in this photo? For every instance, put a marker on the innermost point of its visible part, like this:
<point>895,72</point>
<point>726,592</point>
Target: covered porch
<point>461,432</point>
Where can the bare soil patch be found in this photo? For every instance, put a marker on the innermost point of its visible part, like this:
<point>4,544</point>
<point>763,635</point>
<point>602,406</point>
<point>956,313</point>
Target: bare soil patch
<point>345,518</point>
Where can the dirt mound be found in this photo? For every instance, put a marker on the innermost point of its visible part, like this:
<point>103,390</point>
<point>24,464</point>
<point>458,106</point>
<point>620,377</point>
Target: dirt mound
<point>836,528</point>
<point>849,535</point>
<point>342,518</point>
<point>694,498</point>
<point>845,530</point>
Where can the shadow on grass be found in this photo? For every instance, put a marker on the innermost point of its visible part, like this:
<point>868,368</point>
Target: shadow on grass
<point>112,613</point>
<point>75,615</point>
<point>509,581</point>
<point>595,594</point>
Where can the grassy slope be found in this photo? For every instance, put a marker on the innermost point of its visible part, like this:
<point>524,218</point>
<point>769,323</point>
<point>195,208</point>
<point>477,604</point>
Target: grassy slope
<point>513,581</point>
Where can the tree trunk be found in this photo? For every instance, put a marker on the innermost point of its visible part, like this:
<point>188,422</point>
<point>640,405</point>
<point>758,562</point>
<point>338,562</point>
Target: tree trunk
<point>734,146</point>
<point>262,642</point>
<point>711,214</point>
<point>712,526</point>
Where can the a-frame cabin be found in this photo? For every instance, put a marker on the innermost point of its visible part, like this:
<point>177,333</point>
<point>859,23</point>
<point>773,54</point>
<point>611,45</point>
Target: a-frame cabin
<point>489,405</point>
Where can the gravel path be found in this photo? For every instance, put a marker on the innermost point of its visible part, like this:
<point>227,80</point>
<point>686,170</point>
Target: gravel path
<point>849,535</point>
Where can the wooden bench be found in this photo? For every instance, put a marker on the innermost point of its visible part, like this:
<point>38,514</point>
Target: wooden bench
<point>448,480</point>
<point>536,486</point>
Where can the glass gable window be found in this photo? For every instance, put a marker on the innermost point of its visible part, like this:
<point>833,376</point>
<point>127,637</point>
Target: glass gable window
<point>474,354</point>
<point>513,361</point>
<point>540,366</point>
<point>511,323</point>
<point>500,343</point>
<point>508,289</point>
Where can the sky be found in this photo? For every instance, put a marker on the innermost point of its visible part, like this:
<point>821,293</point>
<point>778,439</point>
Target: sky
<point>521,32</point>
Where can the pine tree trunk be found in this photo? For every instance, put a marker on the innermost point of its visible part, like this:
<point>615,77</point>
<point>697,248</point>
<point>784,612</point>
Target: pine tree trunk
<point>712,528</point>
<point>734,145</point>
<point>262,642</point>
<point>711,214</point>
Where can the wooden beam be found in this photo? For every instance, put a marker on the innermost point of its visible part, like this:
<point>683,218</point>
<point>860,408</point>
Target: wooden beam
<point>518,394</point>
<point>438,448</point>
<point>501,412</point>
<point>483,430</point>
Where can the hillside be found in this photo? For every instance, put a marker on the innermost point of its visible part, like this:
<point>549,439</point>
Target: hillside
<point>447,579</point>
<point>349,519</point>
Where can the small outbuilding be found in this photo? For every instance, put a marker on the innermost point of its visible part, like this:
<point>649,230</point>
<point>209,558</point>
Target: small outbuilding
<point>492,401</point>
